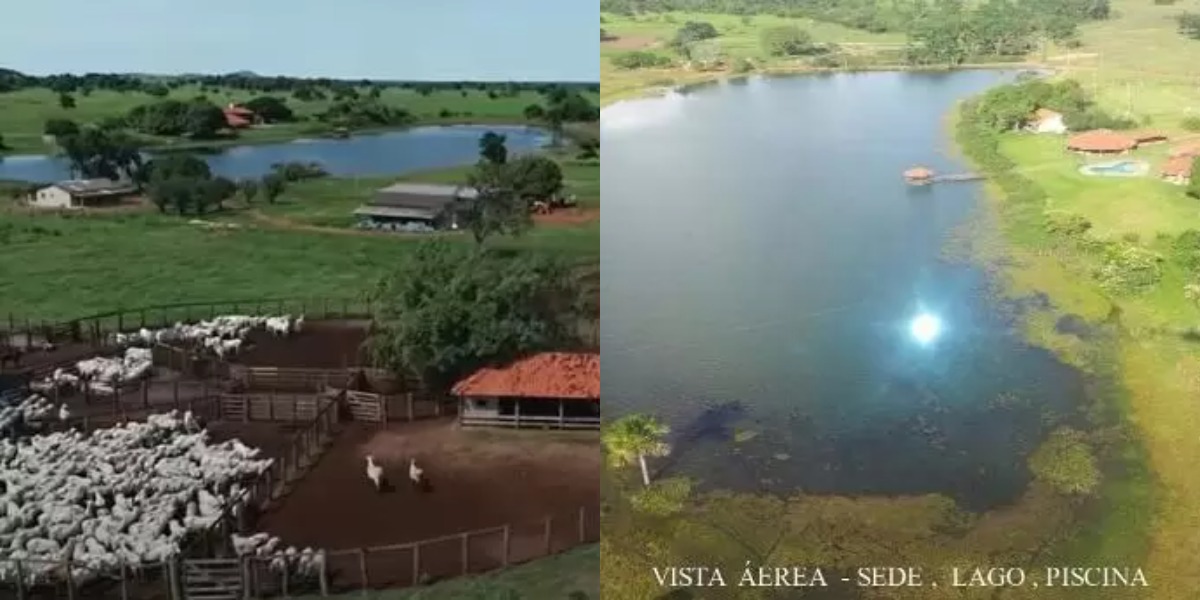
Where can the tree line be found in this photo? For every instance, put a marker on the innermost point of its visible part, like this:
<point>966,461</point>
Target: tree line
<point>948,32</point>
<point>11,80</point>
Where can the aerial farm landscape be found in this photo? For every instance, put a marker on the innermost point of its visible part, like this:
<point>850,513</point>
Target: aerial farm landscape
<point>928,298</point>
<point>331,332</point>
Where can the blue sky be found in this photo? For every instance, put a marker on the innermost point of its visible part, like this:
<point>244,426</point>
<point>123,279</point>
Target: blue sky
<point>517,40</point>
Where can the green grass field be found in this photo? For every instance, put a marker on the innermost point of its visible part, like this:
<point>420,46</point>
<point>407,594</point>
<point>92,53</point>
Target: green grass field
<point>552,578</point>
<point>58,267</point>
<point>23,113</point>
<point>740,39</point>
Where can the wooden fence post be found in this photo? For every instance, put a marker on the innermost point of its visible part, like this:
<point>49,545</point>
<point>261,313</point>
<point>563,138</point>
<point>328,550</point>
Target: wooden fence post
<point>466,552</point>
<point>323,575</point>
<point>70,576</point>
<point>549,529</point>
<point>20,567</point>
<point>409,396</point>
<point>362,570</point>
<point>582,524</point>
<point>416,565</point>
<point>246,595</point>
<point>124,581</point>
<point>507,543</point>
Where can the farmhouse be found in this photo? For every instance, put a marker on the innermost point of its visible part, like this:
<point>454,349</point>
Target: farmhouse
<point>1101,141</point>
<point>238,117</point>
<point>414,206</point>
<point>559,390</point>
<point>1178,169</point>
<point>83,193</point>
<point>1045,120</point>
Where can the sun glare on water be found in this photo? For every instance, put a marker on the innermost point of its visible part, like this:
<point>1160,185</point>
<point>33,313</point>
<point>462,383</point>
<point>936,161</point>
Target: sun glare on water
<point>925,328</point>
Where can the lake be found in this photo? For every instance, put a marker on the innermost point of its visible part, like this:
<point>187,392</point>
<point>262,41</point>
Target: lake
<point>765,268</point>
<point>390,153</point>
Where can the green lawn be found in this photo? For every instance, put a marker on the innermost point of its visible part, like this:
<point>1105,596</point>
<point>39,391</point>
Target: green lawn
<point>57,267</point>
<point>554,578</point>
<point>740,39</point>
<point>23,113</point>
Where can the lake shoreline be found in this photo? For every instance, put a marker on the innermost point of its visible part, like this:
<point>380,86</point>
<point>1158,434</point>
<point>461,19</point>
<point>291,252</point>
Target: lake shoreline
<point>708,78</point>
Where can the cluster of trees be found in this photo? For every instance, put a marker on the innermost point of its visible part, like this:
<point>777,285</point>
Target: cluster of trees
<point>640,59</point>
<point>789,40</point>
<point>448,310</point>
<point>197,118</point>
<point>365,112</point>
<point>562,106</point>
<point>96,152</point>
<point>271,109</point>
<point>185,184</point>
<point>1010,106</point>
<point>506,190</point>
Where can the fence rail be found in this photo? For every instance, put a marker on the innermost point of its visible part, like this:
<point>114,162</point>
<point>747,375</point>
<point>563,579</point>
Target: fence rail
<point>93,328</point>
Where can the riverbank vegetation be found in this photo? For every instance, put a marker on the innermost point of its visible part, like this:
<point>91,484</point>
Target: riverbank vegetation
<point>187,110</point>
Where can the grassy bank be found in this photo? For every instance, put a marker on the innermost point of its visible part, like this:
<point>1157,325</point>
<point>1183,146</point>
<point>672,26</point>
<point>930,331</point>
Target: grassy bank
<point>23,113</point>
<point>62,266</point>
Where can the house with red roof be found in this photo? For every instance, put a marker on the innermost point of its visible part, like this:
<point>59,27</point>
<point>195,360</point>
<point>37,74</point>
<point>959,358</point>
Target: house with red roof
<point>1178,169</point>
<point>238,117</point>
<point>1101,141</point>
<point>550,390</point>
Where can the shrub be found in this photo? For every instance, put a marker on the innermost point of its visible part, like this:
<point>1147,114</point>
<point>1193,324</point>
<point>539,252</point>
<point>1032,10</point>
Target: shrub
<point>640,59</point>
<point>1065,461</point>
<point>1067,224</point>
<point>663,498</point>
<point>1129,269</point>
<point>787,40</point>
<point>1190,123</point>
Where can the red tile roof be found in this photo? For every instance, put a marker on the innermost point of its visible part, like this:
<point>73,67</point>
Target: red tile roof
<point>918,173</point>
<point>1187,150</point>
<point>1178,166</point>
<point>546,375</point>
<point>235,120</point>
<point>240,111</point>
<point>1101,140</point>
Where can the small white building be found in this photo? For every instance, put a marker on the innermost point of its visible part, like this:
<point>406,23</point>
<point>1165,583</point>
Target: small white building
<point>83,193</point>
<point>1045,120</point>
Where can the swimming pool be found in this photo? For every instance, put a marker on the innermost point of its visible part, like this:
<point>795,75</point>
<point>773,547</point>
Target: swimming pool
<point>1118,168</point>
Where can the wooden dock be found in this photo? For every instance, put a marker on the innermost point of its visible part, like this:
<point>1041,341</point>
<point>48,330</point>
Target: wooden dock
<point>955,177</point>
<point>923,176</point>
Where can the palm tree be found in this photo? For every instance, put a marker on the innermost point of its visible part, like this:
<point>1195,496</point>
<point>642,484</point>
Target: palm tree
<point>633,438</point>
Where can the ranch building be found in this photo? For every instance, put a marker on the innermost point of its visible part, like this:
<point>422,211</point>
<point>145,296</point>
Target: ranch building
<point>1045,120</point>
<point>1101,141</point>
<point>1178,169</point>
<point>551,390</point>
<point>414,207</point>
<point>83,193</point>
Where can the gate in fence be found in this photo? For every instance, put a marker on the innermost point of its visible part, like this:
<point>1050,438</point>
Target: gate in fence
<point>212,579</point>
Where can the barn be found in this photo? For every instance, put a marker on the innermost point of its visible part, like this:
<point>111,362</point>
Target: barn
<point>414,207</point>
<point>83,193</point>
<point>551,390</point>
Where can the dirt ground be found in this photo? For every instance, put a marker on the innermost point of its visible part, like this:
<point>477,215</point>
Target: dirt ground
<point>630,42</point>
<point>319,345</point>
<point>478,480</point>
<point>568,216</point>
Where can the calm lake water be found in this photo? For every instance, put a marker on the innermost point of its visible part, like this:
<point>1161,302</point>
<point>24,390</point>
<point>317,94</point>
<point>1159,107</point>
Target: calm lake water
<point>763,263</point>
<point>391,153</point>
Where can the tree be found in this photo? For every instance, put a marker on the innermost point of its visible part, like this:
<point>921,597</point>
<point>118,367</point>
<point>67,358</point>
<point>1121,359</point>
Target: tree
<point>589,149</point>
<point>534,112</point>
<point>632,438</point>
<point>497,207</point>
<point>445,311</point>
<point>492,149</point>
<point>3,146</point>
<point>249,189</point>
<point>216,191</point>
<point>273,185</point>
<point>61,127</point>
<point>203,120</point>
<point>694,31</point>
<point>66,101</point>
<point>536,177</point>
<point>271,109</point>
<point>158,90</point>
<point>100,153</point>
<point>177,166</point>
<point>787,40</point>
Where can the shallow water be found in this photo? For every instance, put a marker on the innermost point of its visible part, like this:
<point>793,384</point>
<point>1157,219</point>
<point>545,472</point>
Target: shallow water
<point>763,262</point>
<point>391,153</point>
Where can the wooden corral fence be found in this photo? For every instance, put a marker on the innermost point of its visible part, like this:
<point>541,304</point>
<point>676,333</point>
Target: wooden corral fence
<point>430,560</point>
<point>126,582</point>
<point>94,328</point>
<point>288,379</point>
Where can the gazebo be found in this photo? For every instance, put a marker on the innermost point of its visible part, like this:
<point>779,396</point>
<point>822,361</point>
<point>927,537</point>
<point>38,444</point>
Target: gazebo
<point>918,174</point>
<point>550,390</point>
<point>1101,141</point>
